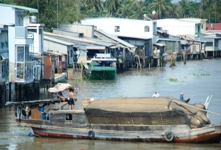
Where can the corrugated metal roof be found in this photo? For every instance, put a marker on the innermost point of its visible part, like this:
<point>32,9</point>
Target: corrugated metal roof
<point>57,41</point>
<point>31,10</point>
<point>80,40</point>
<point>116,39</point>
<point>91,47</point>
<point>162,31</point>
<point>52,53</point>
<point>205,39</point>
<point>168,39</point>
<point>159,44</point>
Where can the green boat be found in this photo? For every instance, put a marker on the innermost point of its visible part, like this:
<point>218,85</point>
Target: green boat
<point>101,67</point>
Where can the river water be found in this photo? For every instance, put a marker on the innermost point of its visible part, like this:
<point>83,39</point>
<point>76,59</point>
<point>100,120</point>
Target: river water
<point>196,79</point>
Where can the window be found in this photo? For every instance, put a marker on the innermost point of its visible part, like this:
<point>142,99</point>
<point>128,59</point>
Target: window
<point>32,30</point>
<point>20,53</point>
<point>117,29</point>
<point>24,66</point>
<point>146,29</point>
<point>209,43</point>
<point>20,71</point>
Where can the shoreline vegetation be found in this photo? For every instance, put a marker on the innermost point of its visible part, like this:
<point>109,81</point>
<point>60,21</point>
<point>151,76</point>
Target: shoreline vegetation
<point>54,13</point>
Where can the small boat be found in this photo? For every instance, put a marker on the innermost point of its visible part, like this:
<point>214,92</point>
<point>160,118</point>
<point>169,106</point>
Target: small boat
<point>147,119</point>
<point>101,67</point>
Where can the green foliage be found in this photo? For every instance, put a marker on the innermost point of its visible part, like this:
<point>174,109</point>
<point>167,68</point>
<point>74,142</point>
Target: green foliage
<point>56,12</point>
<point>78,80</point>
<point>205,74</point>
<point>173,80</point>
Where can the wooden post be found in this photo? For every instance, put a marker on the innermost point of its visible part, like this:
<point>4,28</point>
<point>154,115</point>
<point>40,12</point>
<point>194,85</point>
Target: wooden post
<point>184,56</point>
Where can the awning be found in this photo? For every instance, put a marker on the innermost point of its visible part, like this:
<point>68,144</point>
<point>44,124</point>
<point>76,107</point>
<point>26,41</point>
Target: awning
<point>159,44</point>
<point>35,55</point>
<point>53,53</point>
<point>59,87</point>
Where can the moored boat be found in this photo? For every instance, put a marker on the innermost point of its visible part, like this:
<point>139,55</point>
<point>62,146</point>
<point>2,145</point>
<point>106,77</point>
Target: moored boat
<point>161,119</point>
<point>101,67</point>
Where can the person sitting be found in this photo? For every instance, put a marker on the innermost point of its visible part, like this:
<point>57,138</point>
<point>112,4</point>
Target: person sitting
<point>181,96</point>
<point>60,95</point>
<point>156,94</point>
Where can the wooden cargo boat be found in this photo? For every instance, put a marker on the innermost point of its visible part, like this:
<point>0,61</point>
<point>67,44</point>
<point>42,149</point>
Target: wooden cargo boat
<point>101,67</point>
<point>161,119</point>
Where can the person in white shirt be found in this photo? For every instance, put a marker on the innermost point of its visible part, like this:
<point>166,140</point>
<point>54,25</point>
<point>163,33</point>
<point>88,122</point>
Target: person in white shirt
<point>156,94</point>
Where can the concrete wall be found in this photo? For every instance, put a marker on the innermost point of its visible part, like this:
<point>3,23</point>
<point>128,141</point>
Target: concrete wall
<point>56,47</point>
<point>88,31</point>
<point>83,57</point>
<point>9,17</point>
<point>11,46</point>
<point>127,27</point>
<point>195,48</point>
<point>177,27</point>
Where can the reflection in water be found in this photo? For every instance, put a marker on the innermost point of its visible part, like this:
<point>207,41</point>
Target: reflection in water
<point>196,79</point>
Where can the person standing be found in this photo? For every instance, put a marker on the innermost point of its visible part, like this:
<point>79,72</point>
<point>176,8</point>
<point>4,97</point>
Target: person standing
<point>71,98</point>
<point>156,94</point>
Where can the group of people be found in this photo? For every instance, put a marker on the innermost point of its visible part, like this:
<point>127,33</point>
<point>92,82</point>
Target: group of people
<point>70,100</point>
<point>181,96</point>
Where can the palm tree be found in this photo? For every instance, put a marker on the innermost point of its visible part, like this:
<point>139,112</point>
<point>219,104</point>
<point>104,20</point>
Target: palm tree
<point>96,4</point>
<point>185,8</point>
<point>125,8</point>
<point>112,6</point>
<point>174,12</point>
<point>141,9</point>
<point>162,8</point>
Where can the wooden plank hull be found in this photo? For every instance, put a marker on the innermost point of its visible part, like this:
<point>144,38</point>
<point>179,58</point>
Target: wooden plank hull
<point>150,133</point>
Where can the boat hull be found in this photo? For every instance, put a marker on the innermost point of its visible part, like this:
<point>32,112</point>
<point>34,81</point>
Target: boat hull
<point>102,73</point>
<point>181,133</point>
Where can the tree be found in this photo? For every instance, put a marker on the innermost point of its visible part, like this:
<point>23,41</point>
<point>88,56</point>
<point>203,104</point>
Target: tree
<point>162,7</point>
<point>174,11</point>
<point>112,6</point>
<point>185,8</point>
<point>96,4</point>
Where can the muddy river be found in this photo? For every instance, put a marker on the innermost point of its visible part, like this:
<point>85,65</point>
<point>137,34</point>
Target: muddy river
<point>197,80</point>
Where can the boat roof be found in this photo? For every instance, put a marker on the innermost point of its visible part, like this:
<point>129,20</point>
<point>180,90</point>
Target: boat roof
<point>132,104</point>
<point>140,104</point>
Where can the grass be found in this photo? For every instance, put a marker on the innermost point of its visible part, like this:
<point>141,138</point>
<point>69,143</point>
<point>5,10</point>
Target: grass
<point>173,80</point>
<point>205,74</point>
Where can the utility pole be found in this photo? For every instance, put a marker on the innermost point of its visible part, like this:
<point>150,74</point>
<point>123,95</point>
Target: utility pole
<point>38,10</point>
<point>57,14</point>
<point>215,12</point>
